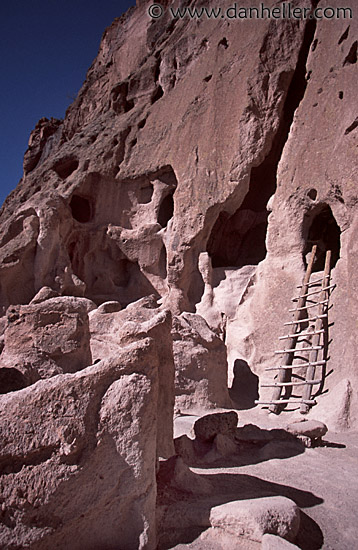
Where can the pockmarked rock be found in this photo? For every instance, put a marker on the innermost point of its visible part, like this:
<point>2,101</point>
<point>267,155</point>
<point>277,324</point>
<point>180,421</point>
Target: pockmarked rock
<point>308,428</point>
<point>200,365</point>
<point>208,426</point>
<point>47,338</point>
<point>78,460</point>
<point>110,330</point>
<point>255,517</point>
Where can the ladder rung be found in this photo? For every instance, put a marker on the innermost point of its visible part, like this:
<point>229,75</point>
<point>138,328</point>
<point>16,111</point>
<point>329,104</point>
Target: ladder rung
<point>283,401</point>
<point>311,283</point>
<point>309,305</point>
<point>299,334</point>
<point>314,292</point>
<point>307,319</point>
<point>298,349</point>
<point>284,384</point>
<point>298,365</point>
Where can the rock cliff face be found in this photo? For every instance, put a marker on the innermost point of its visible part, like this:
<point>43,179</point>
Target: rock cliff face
<point>198,164</point>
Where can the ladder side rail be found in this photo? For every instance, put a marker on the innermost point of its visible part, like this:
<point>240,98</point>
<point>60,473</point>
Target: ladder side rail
<point>313,356</point>
<point>284,375</point>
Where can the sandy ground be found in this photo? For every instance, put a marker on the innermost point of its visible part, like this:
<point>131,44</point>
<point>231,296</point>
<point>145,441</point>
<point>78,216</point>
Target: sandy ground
<point>323,481</point>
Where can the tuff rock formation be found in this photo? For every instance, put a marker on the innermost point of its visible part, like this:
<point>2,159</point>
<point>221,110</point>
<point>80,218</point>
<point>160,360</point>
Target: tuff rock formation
<point>167,221</point>
<point>79,450</point>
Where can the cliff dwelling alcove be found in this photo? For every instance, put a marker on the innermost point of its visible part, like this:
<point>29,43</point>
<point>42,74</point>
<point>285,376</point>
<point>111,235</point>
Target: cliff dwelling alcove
<point>66,166</point>
<point>166,210</point>
<point>321,228</point>
<point>239,239</point>
<point>11,380</point>
<point>107,272</point>
<point>81,208</point>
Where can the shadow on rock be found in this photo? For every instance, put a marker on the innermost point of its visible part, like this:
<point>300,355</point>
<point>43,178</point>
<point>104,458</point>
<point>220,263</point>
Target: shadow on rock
<point>310,536</point>
<point>247,445</point>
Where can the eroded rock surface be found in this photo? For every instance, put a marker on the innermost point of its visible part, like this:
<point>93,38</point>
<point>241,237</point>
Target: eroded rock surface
<point>175,173</point>
<point>195,169</point>
<point>200,365</point>
<point>47,338</point>
<point>253,518</point>
<point>80,455</point>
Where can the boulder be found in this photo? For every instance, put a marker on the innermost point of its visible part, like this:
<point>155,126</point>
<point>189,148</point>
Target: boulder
<point>45,293</point>
<point>200,365</point>
<point>138,321</point>
<point>253,518</point>
<point>308,428</point>
<point>109,307</point>
<point>186,449</point>
<point>217,539</point>
<point>174,473</point>
<point>222,446</point>
<point>47,338</point>
<point>208,426</point>
<point>78,458</point>
<point>336,408</point>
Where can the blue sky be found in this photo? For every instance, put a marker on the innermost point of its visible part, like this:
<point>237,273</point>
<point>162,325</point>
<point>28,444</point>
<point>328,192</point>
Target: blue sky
<point>46,48</point>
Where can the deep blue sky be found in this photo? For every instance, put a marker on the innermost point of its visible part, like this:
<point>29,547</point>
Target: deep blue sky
<point>46,48</point>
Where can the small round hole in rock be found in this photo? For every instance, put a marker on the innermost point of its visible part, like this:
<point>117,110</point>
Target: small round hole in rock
<point>81,209</point>
<point>312,194</point>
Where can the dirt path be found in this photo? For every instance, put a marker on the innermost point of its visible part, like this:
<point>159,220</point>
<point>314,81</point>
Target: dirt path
<point>323,482</point>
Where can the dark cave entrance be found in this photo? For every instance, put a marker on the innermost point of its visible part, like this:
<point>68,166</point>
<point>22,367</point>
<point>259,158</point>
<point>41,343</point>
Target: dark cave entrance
<point>11,380</point>
<point>321,228</point>
<point>166,210</point>
<point>81,209</point>
<point>238,240</point>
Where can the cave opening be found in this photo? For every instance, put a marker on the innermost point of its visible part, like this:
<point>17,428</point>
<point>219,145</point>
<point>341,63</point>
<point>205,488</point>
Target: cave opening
<point>321,228</point>
<point>145,193</point>
<point>81,209</point>
<point>239,239</point>
<point>65,167</point>
<point>11,380</point>
<point>166,210</point>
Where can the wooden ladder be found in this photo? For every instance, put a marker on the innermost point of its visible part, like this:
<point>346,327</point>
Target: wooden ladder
<point>301,316</point>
